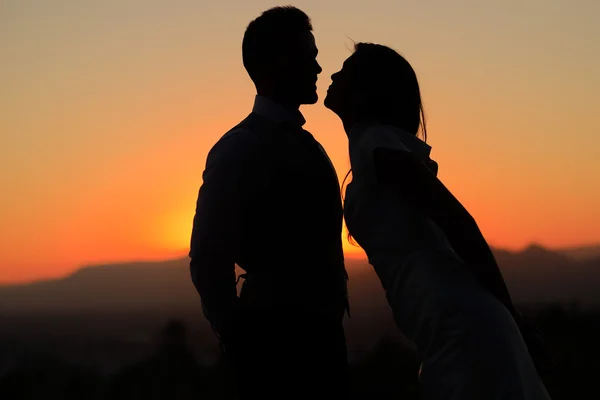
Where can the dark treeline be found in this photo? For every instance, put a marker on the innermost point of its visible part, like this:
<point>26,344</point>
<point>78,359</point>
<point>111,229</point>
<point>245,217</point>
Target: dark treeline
<point>388,371</point>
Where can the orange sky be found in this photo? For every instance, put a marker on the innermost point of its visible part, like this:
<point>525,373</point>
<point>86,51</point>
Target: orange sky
<point>107,113</point>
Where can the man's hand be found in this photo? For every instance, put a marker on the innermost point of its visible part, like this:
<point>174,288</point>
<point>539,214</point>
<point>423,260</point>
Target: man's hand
<point>226,326</point>
<point>228,188</point>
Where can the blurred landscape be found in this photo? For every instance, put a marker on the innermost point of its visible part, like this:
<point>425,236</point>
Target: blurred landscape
<point>136,330</point>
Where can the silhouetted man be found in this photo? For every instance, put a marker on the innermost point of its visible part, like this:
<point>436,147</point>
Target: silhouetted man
<point>270,202</point>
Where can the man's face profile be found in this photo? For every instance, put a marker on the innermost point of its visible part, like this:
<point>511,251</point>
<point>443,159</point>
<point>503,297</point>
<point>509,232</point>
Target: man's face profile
<point>297,69</point>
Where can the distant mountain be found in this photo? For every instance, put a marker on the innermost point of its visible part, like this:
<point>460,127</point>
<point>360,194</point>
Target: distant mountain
<point>538,275</point>
<point>118,307</point>
<point>535,275</point>
<point>125,303</point>
<point>582,253</point>
<point>131,286</point>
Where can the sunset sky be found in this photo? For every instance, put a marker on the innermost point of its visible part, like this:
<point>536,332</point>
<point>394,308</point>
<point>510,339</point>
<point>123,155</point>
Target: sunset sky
<point>108,109</point>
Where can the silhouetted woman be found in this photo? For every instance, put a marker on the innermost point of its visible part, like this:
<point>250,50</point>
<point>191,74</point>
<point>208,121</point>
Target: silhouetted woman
<point>440,277</point>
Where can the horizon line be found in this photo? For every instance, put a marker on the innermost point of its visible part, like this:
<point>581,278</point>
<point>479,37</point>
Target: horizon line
<point>355,254</point>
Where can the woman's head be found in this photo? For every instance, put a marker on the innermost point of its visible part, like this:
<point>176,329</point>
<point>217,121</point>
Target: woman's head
<point>376,84</point>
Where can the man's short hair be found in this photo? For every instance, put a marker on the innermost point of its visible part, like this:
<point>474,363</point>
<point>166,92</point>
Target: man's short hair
<point>265,36</point>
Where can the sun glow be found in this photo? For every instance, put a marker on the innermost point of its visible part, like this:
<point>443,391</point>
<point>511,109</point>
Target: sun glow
<point>174,230</point>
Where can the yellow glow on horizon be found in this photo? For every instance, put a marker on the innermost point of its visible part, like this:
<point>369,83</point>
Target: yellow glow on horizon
<point>172,232</point>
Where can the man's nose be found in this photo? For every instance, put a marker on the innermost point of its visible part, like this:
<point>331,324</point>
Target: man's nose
<point>319,69</point>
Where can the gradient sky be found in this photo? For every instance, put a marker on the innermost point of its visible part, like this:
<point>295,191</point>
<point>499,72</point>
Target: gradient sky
<point>108,109</point>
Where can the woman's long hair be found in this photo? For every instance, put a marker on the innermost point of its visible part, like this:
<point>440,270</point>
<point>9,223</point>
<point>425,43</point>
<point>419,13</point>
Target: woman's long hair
<point>390,91</point>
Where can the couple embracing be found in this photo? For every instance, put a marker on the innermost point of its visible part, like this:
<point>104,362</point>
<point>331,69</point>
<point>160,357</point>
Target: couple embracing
<point>270,202</point>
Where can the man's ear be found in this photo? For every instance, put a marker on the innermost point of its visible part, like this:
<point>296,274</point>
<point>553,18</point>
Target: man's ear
<point>281,61</point>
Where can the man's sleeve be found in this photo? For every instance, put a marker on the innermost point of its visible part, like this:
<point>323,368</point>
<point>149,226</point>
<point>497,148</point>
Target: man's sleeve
<point>228,181</point>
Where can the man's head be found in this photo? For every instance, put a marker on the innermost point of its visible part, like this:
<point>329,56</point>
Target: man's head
<point>280,55</point>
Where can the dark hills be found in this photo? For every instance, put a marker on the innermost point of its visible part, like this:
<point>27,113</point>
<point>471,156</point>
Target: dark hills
<point>534,275</point>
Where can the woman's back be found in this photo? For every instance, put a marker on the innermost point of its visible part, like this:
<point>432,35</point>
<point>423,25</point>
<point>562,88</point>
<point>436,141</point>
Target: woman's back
<point>380,220</point>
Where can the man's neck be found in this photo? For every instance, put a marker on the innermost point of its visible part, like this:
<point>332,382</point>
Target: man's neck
<point>275,111</point>
<point>282,100</point>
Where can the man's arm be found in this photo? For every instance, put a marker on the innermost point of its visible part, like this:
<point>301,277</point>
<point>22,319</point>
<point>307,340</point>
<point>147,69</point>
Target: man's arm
<point>215,241</point>
<point>402,171</point>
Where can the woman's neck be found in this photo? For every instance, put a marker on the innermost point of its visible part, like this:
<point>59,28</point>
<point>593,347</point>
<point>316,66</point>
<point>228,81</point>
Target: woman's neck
<point>350,124</point>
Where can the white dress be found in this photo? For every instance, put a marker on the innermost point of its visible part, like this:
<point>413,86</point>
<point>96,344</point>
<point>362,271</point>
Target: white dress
<point>469,343</point>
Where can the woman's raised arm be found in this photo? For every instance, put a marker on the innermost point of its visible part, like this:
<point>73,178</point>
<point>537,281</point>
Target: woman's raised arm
<point>402,172</point>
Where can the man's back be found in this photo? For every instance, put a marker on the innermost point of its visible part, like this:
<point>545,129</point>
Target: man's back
<point>270,202</point>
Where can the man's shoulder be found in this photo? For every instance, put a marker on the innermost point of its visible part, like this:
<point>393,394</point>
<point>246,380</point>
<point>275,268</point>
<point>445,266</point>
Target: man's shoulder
<point>243,141</point>
<point>248,135</point>
<point>235,144</point>
<point>239,135</point>
<point>257,125</point>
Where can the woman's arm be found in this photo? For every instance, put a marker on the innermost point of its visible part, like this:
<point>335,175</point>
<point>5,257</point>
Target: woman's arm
<point>400,170</point>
